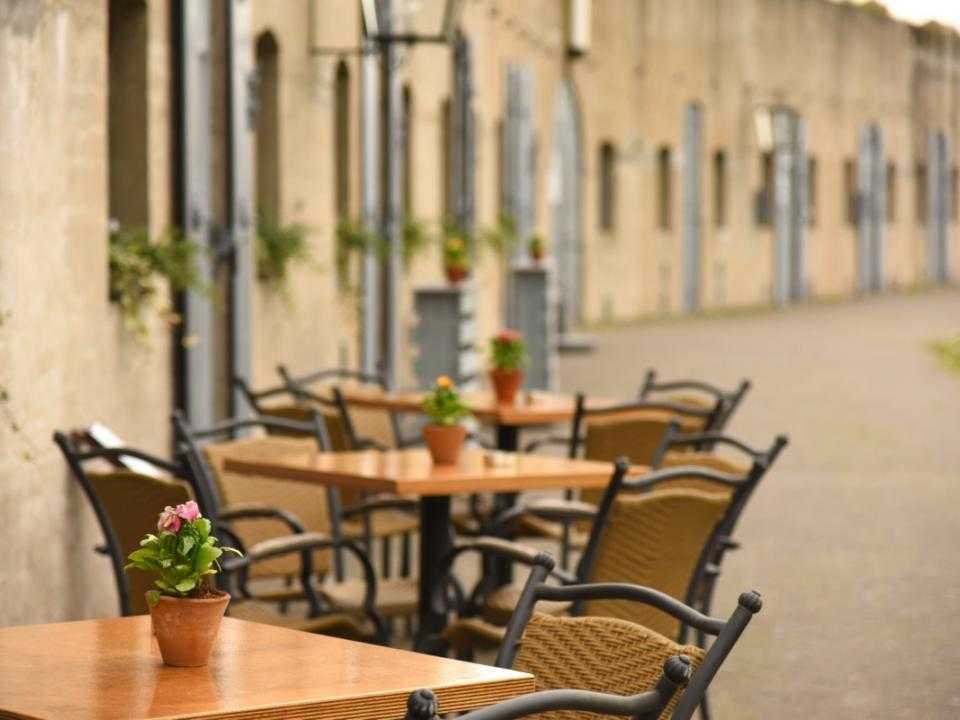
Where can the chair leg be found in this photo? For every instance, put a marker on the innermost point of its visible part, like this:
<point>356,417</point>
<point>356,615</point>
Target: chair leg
<point>387,558</point>
<point>405,556</point>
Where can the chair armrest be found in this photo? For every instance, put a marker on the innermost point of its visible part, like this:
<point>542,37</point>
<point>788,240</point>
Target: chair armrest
<point>517,552</point>
<point>728,543</point>
<point>549,440</point>
<point>382,501</point>
<point>256,511</point>
<point>564,511</point>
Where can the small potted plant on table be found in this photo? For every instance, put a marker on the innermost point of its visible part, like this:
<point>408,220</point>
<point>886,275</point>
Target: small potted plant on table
<point>537,248</point>
<point>456,259</point>
<point>508,355</point>
<point>444,435</point>
<point>185,609</point>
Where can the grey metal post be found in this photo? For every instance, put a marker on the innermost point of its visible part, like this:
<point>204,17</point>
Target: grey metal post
<point>391,203</point>
<point>692,152</point>
<point>195,162</point>
<point>370,202</point>
<point>242,108</point>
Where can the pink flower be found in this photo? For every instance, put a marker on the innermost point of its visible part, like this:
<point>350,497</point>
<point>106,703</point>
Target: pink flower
<point>169,520</point>
<point>188,511</point>
<point>509,336</point>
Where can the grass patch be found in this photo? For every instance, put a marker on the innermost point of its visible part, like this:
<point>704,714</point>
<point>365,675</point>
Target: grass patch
<point>948,351</point>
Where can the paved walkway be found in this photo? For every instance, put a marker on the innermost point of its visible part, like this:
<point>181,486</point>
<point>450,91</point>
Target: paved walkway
<point>854,538</point>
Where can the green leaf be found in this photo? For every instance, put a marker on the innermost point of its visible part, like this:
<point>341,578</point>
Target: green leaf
<point>153,597</point>
<point>186,544</point>
<point>205,557</point>
<point>232,550</point>
<point>186,585</point>
<point>148,540</point>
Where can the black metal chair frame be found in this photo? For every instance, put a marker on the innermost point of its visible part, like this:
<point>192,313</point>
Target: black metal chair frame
<point>234,569</point>
<point>725,402</point>
<point>726,632</point>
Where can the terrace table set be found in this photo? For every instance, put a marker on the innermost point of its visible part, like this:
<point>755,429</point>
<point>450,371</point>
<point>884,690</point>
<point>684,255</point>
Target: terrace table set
<point>410,472</point>
<point>111,670</point>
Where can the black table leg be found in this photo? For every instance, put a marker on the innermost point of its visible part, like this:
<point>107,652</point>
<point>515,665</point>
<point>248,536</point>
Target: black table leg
<point>500,570</point>
<point>436,542</point>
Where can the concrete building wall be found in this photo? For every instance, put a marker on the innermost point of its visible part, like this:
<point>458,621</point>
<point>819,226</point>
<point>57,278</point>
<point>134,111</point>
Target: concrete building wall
<point>65,359</point>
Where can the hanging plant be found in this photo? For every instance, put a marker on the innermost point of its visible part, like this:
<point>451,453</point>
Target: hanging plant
<point>136,263</point>
<point>354,240</point>
<point>277,247</point>
<point>502,237</point>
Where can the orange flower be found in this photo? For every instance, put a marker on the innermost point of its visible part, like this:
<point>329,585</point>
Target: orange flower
<point>444,382</point>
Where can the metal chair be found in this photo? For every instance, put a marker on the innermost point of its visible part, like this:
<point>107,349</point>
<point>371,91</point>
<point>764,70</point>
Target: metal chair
<point>696,393</point>
<point>423,705</point>
<point>601,653</point>
<point>397,597</point>
<point>633,430</point>
<point>127,503</point>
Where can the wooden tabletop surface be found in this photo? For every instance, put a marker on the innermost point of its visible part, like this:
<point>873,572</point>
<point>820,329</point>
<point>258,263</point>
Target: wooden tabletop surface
<point>111,670</point>
<point>531,408</point>
<point>411,471</point>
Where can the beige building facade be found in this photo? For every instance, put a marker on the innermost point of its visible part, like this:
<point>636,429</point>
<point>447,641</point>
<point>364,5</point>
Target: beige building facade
<point>691,156</point>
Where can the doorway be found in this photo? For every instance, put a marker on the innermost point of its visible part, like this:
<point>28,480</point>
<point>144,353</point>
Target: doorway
<point>872,211</point>
<point>565,206</point>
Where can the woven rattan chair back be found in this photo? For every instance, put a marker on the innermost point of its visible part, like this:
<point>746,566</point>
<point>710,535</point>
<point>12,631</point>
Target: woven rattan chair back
<point>701,459</point>
<point>654,539</point>
<point>125,503</point>
<point>601,654</point>
<point>132,502</point>
<point>307,502</point>
<point>697,394</point>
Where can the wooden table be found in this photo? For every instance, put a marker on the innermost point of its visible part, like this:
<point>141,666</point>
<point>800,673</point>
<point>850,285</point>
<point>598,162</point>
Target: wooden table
<point>411,472</point>
<point>111,670</point>
<point>532,408</point>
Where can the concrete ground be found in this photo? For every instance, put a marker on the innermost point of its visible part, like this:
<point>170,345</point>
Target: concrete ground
<point>854,537</point>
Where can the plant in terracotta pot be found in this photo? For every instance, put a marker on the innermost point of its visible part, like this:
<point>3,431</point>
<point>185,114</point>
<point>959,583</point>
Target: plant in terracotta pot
<point>444,434</point>
<point>508,355</point>
<point>185,609</point>
<point>456,258</point>
<point>537,248</point>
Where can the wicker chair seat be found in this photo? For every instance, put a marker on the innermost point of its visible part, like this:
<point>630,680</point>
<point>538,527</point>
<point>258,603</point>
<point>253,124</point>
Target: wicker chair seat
<point>601,654</point>
<point>473,634</point>
<point>396,597</point>
<point>501,602</point>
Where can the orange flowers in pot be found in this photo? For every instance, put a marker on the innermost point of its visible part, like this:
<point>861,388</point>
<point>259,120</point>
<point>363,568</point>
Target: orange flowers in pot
<point>445,435</point>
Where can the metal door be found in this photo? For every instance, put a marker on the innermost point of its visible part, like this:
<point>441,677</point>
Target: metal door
<point>871,212</point>
<point>195,164</point>
<point>939,206</point>
<point>565,205</point>
<point>692,203</point>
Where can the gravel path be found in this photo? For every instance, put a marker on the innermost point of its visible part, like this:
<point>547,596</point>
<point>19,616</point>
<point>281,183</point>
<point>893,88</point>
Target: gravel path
<point>854,537</point>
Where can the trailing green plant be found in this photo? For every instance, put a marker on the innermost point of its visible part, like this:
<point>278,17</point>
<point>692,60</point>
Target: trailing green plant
<point>278,246</point>
<point>183,553</point>
<point>443,405</point>
<point>948,351</point>
<point>502,237</point>
<point>508,352</point>
<point>136,264</point>
<point>354,240</point>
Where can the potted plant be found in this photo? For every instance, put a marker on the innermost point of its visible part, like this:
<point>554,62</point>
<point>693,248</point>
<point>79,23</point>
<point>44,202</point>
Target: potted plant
<point>185,609</point>
<point>537,248</point>
<point>456,259</point>
<point>444,435</point>
<point>508,355</point>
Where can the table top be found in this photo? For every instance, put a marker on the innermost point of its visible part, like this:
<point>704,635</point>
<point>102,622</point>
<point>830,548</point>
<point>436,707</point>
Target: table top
<point>531,408</point>
<point>111,670</point>
<point>411,471</point>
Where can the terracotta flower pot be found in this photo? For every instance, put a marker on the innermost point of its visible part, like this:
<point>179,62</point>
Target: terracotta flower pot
<point>444,442</point>
<point>456,274</point>
<point>186,628</point>
<point>536,255</point>
<point>506,385</point>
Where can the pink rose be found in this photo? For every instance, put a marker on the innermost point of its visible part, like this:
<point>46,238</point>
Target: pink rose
<point>189,511</point>
<point>169,520</point>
